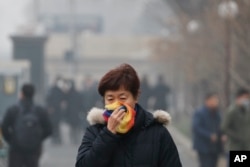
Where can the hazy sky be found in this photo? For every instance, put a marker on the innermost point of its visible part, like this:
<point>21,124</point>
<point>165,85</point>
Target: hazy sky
<point>12,14</point>
<point>120,16</point>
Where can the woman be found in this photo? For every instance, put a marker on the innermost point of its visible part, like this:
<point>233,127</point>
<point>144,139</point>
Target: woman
<point>125,134</point>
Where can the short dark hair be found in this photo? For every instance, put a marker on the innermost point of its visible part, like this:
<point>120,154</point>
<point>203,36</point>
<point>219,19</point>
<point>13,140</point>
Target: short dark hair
<point>122,76</point>
<point>210,95</point>
<point>28,90</point>
<point>242,92</point>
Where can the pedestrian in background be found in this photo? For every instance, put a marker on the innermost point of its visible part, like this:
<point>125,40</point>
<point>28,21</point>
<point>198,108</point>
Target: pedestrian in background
<point>25,126</point>
<point>90,97</point>
<point>90,93</point>
<point>236,122</point>
<point>161,92</point>
<point>54,102</point>
<point>74,110</point>
<point>206,132</point>
<point>145,93</point>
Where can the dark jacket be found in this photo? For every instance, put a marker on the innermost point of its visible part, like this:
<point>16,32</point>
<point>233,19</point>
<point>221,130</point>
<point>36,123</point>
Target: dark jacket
<point>160,92</point>
<point>54,99</point>
<point>236,125</point>
<point>148,144</point>
<point>205,123</point>
<point>10,118</point>
<point>75,108</point>
<point>145,93</point>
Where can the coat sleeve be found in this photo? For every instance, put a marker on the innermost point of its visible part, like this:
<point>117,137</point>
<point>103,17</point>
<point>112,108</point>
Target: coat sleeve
<point>8,125</point>
<point>97,148</point>
<point>169,155</point>
<point>198,126</point>
<point>227,124</point>
<point>46,123</point>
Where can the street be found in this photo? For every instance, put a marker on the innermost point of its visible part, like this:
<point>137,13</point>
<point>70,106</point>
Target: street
<point>187,155</point>
<point>65,155</point>
<point>62,155</point>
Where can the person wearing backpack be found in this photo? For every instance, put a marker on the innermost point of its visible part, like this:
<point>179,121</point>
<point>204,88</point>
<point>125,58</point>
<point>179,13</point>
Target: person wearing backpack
<point>25,126</point>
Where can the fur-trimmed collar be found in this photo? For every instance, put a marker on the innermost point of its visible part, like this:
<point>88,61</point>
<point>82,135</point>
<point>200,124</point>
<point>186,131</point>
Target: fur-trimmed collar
<point>95,116</point>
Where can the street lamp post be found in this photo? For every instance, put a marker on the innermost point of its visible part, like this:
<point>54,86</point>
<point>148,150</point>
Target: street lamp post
<point>228,63</point>
<point>227,10</point>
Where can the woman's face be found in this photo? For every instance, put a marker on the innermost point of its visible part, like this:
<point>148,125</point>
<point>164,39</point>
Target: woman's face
<point>122,95</point>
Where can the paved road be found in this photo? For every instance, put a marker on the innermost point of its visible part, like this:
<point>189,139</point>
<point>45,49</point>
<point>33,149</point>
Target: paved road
<point>64,156</point>
<point>60,156</point>
<point>187,155</point>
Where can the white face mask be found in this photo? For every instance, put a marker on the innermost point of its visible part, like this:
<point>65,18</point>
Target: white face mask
<point>60,84</point>
<point>245,103</point>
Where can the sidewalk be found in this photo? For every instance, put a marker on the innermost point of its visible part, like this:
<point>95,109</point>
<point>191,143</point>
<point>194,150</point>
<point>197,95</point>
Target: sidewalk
<point>62,155</point>
<point>184,145</point>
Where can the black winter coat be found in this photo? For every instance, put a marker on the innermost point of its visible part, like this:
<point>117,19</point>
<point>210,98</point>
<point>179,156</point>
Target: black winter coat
<point>148,144</point>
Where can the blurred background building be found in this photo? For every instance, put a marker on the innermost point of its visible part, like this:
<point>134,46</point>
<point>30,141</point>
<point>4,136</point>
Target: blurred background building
<point>89,37</point>
<point>96,35</point>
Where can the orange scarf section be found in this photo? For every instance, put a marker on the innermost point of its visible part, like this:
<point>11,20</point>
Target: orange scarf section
<point>128,120</point>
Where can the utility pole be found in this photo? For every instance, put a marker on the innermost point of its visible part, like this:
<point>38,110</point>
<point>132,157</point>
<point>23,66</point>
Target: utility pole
<point>227,10</point>
<point>228,63</point>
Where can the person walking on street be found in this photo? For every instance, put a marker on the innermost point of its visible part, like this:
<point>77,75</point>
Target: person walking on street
<point>75,108</point>
<point>206,132</point>
<point>125,134</point>
<point>54,102</point>
<point>90,94</point>
<point>161,92</point>
<point>25,126</point>
<point>236,122</point>
<point>145,92</point>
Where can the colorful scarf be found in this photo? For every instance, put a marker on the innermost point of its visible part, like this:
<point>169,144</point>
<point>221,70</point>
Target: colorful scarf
<point>128,120</point>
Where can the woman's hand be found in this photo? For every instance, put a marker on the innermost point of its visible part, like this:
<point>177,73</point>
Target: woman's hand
<point>115,119</point>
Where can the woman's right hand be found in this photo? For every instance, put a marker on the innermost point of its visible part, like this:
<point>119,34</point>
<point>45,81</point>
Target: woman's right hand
<point>115,119</point>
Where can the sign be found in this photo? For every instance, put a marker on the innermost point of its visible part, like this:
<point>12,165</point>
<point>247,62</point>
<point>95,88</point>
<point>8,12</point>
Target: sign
<point>9,85</point>
<point>63,23</point>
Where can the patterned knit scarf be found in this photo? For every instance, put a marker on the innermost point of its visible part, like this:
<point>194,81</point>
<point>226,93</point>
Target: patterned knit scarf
<point>128,120</point>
